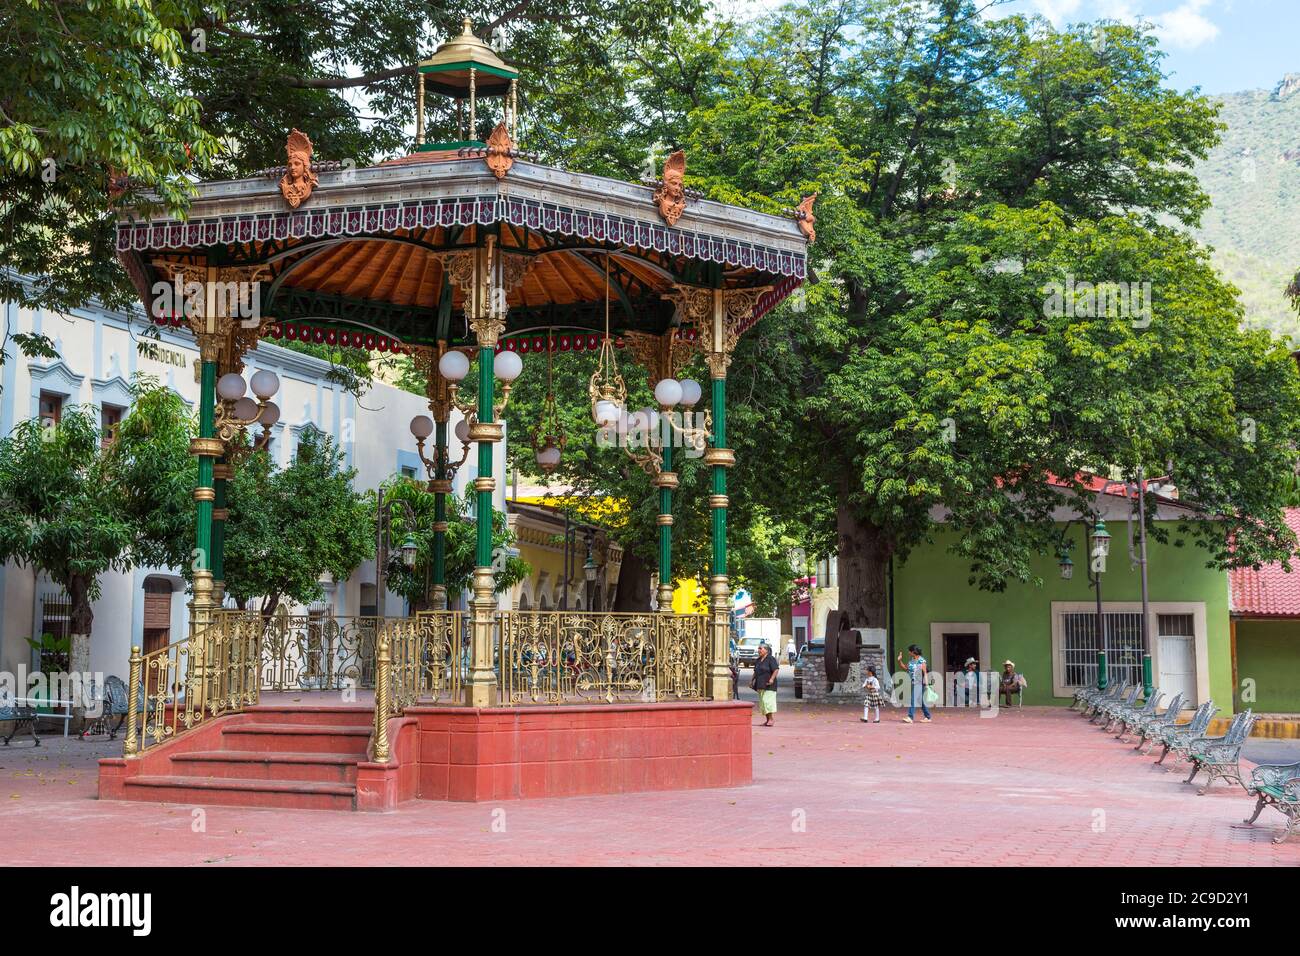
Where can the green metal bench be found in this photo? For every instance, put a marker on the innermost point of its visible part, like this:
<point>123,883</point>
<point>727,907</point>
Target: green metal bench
<point>1102,712</point>
<point>1120,717</point>
<point>1147,724</point>
<point>1177,737</point>
<point>1277,786</point>
<point>1219,756</point>
<point>1092,697</point>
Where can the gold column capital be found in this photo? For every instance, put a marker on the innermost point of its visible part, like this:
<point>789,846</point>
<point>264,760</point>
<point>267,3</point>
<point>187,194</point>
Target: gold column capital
<point>725,457</point>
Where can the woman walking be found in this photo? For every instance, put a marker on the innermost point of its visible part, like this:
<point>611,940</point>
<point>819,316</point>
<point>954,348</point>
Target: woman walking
<point>765,670</point>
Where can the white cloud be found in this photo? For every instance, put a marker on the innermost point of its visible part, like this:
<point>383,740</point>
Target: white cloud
<point>1184,26</point>
<point>1057,11</point>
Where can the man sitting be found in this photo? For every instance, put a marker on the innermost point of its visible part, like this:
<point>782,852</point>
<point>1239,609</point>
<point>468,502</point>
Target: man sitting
<point>1012,683</point>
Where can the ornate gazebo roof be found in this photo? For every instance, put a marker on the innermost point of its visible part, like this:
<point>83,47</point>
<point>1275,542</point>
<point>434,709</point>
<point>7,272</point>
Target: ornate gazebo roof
<point>361,256</point>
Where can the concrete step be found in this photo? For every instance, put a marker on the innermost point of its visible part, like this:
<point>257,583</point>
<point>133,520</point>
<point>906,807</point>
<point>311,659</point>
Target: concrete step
<point>296,738</point>
<point>268,765</point>
<point>223,791</point>
<point>349,715</point>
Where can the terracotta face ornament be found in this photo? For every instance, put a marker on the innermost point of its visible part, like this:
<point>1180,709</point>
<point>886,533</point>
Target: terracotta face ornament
<point>805,218</point>
<point>670,197</point>
<point>299,180</point>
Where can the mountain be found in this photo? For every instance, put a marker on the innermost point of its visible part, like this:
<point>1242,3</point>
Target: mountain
<point>1253,180</point>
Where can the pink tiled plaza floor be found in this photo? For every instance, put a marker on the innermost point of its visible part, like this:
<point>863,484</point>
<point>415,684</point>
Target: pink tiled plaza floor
<point>1033,787</point>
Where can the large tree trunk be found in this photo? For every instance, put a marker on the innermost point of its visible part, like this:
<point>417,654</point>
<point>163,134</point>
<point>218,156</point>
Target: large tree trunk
<point>633,592</point>
<point>81,618</point>
<point>864,552</point>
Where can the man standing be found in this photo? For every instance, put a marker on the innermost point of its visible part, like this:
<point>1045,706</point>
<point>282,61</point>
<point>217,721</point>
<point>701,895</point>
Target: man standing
<point>790,650</point>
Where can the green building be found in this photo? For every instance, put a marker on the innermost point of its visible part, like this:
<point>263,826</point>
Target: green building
<point>1049,630</point>
<point>1266,635</point>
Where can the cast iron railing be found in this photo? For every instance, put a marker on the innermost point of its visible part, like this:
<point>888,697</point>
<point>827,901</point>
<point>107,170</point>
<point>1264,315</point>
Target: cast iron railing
<point>557,657</point>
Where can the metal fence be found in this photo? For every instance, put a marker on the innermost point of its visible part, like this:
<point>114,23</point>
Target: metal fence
<point>591,657</point>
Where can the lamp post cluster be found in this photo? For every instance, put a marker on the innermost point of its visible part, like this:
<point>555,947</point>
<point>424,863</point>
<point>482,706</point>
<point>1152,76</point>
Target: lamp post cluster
<point>452,367</point>
<point>234,414</point>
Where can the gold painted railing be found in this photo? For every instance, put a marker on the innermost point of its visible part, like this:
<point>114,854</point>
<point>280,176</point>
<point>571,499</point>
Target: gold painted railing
<point>178,687</point>
<point>416,658</point>
<point>318,652</point>
<point>591,657</point>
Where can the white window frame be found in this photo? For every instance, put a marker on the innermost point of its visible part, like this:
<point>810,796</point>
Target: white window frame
<point>1200,637</point>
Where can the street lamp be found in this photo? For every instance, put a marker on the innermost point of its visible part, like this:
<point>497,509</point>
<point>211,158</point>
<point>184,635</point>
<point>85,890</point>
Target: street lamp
<point>1100,539</point>
<point>589,572</point>
<point>236,411</point>
<point>1137,489</point>
<point>383,534</point>
<point>1094,533</point>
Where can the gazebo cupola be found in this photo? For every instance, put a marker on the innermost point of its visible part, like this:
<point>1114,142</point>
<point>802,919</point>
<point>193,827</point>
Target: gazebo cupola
<point>466,70</point>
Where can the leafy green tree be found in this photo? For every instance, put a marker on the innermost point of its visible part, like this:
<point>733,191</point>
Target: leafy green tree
<point>966,167</point>
<point>155,92</point>
<point>76,504</point>
<point>289,526</point>
<point>88,90</point>
<point>414,583</point>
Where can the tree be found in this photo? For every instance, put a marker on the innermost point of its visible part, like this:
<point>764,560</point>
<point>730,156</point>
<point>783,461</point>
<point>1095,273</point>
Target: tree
<point>76,504</point>
<point>966,168</point>
<point>89,98</point>
<point>103,102</point>
<point>413,584</point>
<point>290,526</point>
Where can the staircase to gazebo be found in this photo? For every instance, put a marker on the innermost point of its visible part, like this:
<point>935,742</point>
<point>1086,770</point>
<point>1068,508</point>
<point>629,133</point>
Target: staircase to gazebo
<point>299,756</point>
<point>366,713</point>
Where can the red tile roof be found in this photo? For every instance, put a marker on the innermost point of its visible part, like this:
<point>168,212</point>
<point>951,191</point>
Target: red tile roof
<point>1270,591</point>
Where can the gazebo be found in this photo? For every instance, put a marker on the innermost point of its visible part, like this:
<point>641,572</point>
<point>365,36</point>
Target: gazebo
<point>464,251</point>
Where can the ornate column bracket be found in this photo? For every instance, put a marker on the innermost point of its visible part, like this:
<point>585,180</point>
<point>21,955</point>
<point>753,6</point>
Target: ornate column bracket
<point>717,315</point>
<point>214,297</point>
<point>486,275</point>
<point>662,356</point>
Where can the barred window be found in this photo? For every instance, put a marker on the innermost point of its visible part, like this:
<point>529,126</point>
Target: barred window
<point>1123,645</point>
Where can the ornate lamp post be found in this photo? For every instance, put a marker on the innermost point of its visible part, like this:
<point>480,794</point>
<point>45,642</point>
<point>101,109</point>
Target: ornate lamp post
<point>235,413</point>
<point>1138,556</point>
<point>383,537</point>
<point>1096,538</point>
<point>648,435</point>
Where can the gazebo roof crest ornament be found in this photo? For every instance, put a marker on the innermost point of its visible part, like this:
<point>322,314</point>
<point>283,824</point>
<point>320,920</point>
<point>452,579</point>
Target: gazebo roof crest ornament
<point>298,180</point>
<point>670,197</point>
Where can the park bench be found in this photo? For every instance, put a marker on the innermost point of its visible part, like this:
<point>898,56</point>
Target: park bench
<point>1219,756</point>
<point>1096,697</point>
<point>1277,786</point>
<point>113,703</point>
<point>1101,714</point>
<point>22,713</point>
<point>1145,724</point>
<point>1177,737</point>
<point>1121,717</point>
<point>1086,697</point>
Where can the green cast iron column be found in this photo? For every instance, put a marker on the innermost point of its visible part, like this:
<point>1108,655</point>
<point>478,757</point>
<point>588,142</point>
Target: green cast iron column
<point>440,508</point>
<point>483,552</point>
<point>219,534</point>
<point>207,429</point>
<point>719,477</point>
<point>666,517</point>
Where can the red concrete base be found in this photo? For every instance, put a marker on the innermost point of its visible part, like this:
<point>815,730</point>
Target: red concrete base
<point>506,753</point>
<point>317,757</point>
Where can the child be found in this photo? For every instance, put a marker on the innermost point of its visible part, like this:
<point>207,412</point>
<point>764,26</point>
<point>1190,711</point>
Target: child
<point>874,698</point>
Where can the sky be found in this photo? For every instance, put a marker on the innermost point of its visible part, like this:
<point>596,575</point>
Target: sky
<point>1221,46</point>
